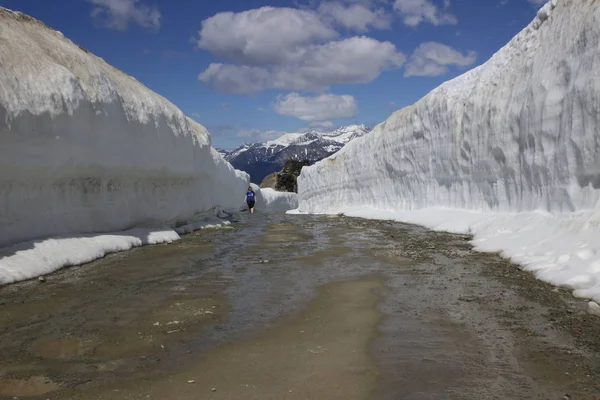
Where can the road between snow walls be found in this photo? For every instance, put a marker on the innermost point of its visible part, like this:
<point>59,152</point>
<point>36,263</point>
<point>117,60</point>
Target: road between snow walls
<point>508,152</point>
<point>271,200</point>
<point>86,150</point>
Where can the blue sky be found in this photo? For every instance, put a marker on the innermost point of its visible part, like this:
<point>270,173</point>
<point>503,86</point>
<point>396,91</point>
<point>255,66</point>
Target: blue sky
<point>250,70</point>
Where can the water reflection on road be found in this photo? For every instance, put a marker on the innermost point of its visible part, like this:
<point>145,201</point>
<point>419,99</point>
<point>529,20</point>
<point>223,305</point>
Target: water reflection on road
<point>289,306</point>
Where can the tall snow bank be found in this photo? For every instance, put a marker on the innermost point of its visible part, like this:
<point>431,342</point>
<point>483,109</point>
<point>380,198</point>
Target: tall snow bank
<point>517,134</point>
<point>86,148</point>
<point>270,200</point>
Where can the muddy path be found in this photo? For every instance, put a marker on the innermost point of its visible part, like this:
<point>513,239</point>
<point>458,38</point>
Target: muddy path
<point>298,307</point>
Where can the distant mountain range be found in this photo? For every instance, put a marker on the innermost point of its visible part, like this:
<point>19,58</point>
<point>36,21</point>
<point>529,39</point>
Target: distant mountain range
<point>261,159</point>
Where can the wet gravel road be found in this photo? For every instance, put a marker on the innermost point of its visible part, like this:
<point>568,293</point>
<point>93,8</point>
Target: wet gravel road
<point>298,307</point>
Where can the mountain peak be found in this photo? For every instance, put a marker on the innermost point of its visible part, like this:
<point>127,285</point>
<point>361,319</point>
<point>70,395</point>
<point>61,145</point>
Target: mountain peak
<point>261,159</point>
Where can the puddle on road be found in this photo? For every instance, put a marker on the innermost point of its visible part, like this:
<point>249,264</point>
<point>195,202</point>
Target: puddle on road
<point>285,237</point>
<point>108,319</point>
<point>286,307</point>
<point>284,227</point>
<point>285,233</point>
<point>180,319</point>
<point>322,256</point>
<point>322,353</point>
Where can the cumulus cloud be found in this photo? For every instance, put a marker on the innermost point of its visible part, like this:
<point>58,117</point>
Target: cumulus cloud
<point>262,36</point>
<point>296,49</point>
<point>433,59</point>
<point>354,16</point>
<point>414,12</point>
<point>236,78</point>
<point>318,108</point>
<point>351,60</point>
<point>117,14</point>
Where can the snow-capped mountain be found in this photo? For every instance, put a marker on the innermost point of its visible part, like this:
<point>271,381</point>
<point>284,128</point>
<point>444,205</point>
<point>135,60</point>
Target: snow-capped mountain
<point>261,159</point>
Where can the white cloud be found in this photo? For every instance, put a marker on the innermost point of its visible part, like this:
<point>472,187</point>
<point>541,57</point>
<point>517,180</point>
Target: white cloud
<point>322,125</point>
<point>319,108</point>
<point>258,136</point>
<point>236,78</point>
<point>262,36</point>
<point>296,49</point>
<point>352,60</point>
<point>355,16</point>
<point>432,59</point>
<point>117,14</point>
<point>414,12</point>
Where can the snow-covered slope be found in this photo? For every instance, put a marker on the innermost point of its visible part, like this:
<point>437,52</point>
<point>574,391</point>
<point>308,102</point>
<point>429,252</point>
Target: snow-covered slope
<point>519,133</point>
<point>286,139</point>
<point>261,159</point>
<point>85,148</point>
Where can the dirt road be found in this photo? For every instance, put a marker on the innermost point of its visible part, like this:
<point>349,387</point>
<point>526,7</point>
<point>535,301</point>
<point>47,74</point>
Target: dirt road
<point>298,307</point>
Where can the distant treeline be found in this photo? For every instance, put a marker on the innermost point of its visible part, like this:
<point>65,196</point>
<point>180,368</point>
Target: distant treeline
<point>287,178</point>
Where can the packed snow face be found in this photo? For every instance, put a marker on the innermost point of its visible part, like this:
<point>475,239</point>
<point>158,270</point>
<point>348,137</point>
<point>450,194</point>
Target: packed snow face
<point>270,200</point>
<point>518,134</point>
<point>86,148</point>
<point>278,201</point>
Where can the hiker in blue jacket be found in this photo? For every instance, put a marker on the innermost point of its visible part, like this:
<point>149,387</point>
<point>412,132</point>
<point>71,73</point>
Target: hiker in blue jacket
<point>250,199</point>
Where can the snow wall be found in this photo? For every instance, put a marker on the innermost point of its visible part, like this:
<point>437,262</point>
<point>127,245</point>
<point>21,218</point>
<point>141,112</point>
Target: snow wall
<point>508,151</point>
<point>271,200</point>
<point>86,148</point>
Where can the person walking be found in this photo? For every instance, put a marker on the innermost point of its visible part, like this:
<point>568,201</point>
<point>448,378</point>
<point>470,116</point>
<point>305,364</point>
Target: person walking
<point>250,199</point>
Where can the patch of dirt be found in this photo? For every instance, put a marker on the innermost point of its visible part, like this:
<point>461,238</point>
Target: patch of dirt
<point>27,387</point>
<point>63,348</point>
<point>564,311</point>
